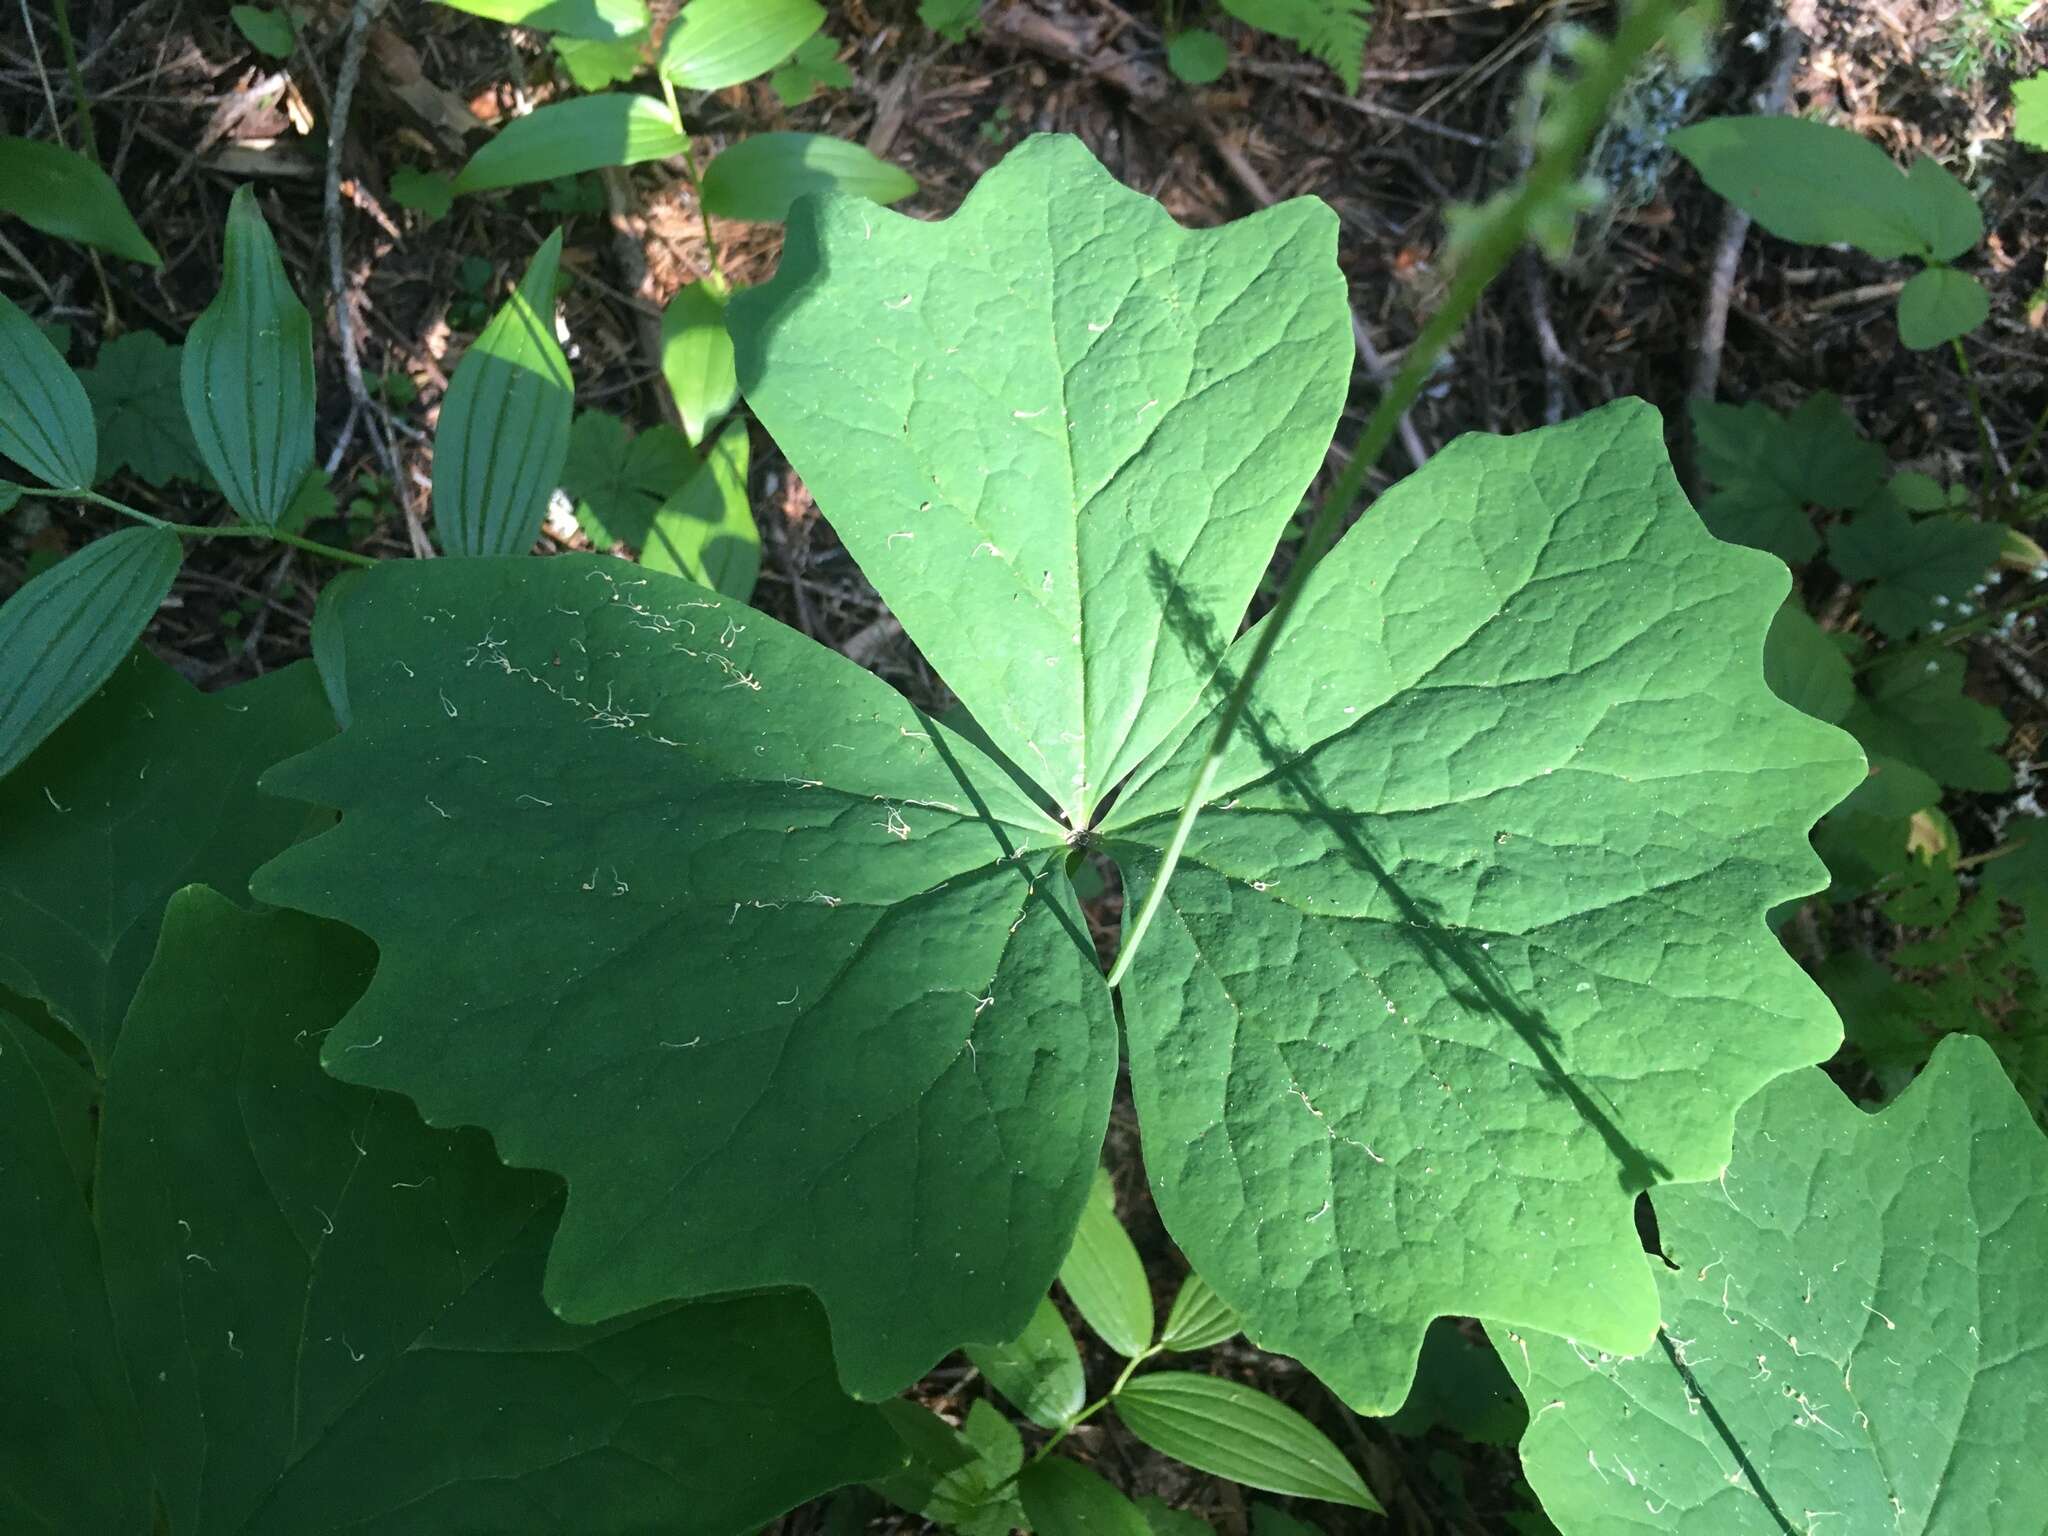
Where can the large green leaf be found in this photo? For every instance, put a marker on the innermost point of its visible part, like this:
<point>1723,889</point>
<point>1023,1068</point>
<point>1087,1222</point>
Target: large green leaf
<point>45,419</point>
<point>750,946</point>
<point>761,176</point>
<point>64,194</point>
<point>1818,184</point>
<point>1059,432</point>
<point>716,43</point>
<point>503,434</point>
<point>149,787</point>
<point>1852,1337</point>
<point>565,138</point>
<point>247,374</point>
<point>63,633</point>
<point>1470,946</point>
<point>305,1282</point>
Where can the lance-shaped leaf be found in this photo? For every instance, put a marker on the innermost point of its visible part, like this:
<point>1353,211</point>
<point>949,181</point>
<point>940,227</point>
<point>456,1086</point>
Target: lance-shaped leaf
<point>716,43</point>
<point>64,194</point>
<point>566,138</point>
<point>762,175</point>
<point>1104,1277</point>
<point>503,433</point>
<point>149,787</point>
<point>66,630</point>
<point>1039,1371</point>
<point>696,357</point>
<point>1470,946</point>
<point>1852,1334</point>
<point>1059,432</point>
<point>750,946</point>
<point>46,421</point>
<point>1238,1432</point>
<point>305,1281</point>
<point>247,374</point>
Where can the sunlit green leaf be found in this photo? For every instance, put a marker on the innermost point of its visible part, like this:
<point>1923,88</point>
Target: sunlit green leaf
<point>600,20</point>
<point>503,435</point>
<point>716,43</point>
<point>566,138</point>
<point>697,357</point>
<point>705,531</point>
<point>247,374</point>
<point>1850,1337</point>
<point>763,174</point>
<point>1231,1430</point>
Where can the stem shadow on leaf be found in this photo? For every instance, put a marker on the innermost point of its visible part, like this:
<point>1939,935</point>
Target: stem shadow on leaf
<point>1470,976</point>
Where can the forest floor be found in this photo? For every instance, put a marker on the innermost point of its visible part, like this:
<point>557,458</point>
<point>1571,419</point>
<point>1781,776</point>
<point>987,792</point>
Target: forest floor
<point>184,111</point>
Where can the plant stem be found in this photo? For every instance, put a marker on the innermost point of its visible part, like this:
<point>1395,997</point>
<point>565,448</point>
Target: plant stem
<point>1494,244</point>
<point>1989,465</point>
<point>203,531</point>
<point>61,9</point>
<point>1102,1402</point>
<point>695,176</point>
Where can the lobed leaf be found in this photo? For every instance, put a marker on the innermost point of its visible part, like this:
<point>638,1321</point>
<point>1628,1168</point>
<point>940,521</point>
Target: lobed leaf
<point>1230,1430</point>
<point>1059,433</point>
<point>46,421</point>
<point>1849,1337</point>
<point>716,43</point>
<point>138,407</point>
<point>60,192</point>
<point>149,787</point>
<point>761,177</point>
<point>1514,823</point>
<point>247,374</point>
<point>302,1281</point>
<point>1919,567</point>
<point>816,978</point>
<point>503,434</point>
<point>566,138</point>
<point>65,631</point>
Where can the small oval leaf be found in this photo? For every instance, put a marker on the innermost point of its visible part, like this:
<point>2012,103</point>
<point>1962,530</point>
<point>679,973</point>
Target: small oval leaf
<point>759,177</point>
<point>45,417</point>
<point>66,630</point>
<point>706,530</point>
<point>716,43</point>
<point>1063,1498</point>
<point>64,194</point>
<point>697,359</point>
<point>567,138</point>
<point>1197,56</point>
<point>1198,1318</point>
<point>504,428</point>
<point>1939,305</point>
<point>1105,1278</point>
<point>247,375</point>
<point>1234,1431</point>
<point>1039,1371</point>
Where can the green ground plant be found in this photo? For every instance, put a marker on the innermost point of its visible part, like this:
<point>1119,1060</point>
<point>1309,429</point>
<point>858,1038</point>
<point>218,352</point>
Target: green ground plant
<point>583,1049</point>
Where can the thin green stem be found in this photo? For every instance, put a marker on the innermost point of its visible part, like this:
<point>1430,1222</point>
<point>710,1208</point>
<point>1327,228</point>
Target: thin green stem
<point>62,11</point>
<point>2026,454</point>
<point>1988,469</point>
<point>1066,1429</point>
<point>204,531</point>
<point>696,177</point>
<point>1498,237</point>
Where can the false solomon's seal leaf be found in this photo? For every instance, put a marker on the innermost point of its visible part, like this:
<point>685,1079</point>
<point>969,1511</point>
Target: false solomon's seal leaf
<point>777,971</point>
<point>1853,1338</point>
<point>503,435</point>
<point>65,631</point>
<point>247,374</point>
<point>149,787</point>
<point>302,1282</point>
<point>46,423</point>
<point>1469,947</point>
<point>1059,432</point>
